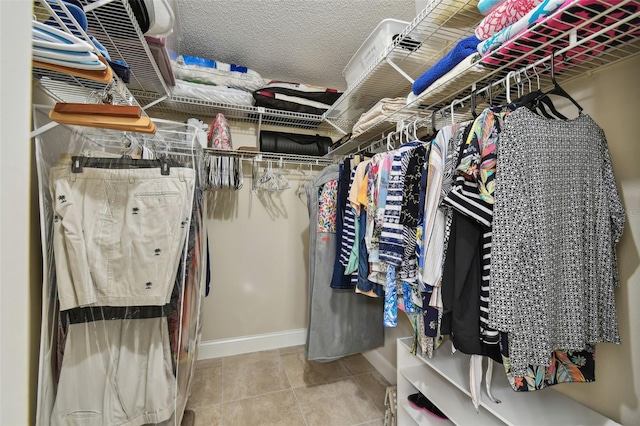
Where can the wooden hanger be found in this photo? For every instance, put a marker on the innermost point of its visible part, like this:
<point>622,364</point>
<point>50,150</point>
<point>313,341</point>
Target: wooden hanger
<point>130,124</point>
<point>101,109</point>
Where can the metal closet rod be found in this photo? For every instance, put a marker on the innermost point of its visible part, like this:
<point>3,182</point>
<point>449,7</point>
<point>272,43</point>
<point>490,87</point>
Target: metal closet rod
<point>271,156</point>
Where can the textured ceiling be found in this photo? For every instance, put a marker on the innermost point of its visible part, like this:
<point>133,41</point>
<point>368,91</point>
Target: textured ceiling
<point>304,41</point>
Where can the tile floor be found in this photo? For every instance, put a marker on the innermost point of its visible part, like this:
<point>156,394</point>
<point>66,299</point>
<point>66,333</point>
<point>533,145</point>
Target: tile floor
<point>280,387</point>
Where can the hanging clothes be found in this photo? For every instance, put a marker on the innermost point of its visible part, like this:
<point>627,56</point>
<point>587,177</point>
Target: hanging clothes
<point>341,322</point>
<point>555,229</point>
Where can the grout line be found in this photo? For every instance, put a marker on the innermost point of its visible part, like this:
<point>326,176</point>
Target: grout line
<point>295,397</point>
<point>365,394</point>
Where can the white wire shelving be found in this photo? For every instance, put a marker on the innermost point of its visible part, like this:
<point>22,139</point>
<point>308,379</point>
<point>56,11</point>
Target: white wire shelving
<point>581,49</point>
<point>592,41</point>
<point>114,25</point>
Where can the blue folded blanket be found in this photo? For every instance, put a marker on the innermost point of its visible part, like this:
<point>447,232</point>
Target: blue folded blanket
<point>463,49</point>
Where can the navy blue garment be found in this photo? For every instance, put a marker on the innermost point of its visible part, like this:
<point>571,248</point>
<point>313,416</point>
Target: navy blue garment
<point>339,280</point>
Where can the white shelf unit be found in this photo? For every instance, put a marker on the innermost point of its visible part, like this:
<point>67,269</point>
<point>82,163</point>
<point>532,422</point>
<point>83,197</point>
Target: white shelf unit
<point>444,379</point>
<point>443,23</point>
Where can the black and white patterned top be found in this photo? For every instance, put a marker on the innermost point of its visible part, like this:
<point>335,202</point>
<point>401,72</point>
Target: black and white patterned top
<point>557,219</point>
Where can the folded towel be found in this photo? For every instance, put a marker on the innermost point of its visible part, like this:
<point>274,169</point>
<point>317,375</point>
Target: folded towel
<point>545,8</point>
<point>486,6</point>
<point>381,111</point>
<point>507,13</point>
<point>463,49</point>
<point>470,64</point>
<point>529,46</point>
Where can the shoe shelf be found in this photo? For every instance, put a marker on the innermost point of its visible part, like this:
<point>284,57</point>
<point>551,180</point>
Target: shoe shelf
<point>444,379</point>
<point>584,47</point>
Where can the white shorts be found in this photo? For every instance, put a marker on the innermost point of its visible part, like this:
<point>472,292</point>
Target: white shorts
<point>116,372</point>
<point>118,234</point>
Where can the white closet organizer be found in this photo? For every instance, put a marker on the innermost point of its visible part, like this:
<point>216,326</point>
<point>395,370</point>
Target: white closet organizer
<point>441,25</point>
<point>444,379</point>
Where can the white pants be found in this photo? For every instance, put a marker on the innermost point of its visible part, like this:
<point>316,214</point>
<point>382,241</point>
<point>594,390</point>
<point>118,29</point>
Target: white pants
<point>116,372</point>
<point>118,234</point>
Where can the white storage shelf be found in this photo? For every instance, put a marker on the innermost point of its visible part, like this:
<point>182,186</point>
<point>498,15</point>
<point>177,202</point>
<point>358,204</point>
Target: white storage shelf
<point>444,380</point>
<point>445,22</point>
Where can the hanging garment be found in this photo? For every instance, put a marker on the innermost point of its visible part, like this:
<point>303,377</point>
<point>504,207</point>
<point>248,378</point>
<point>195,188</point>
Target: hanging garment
<point>118,233</point>
<point>341,322</point>
<point>124,372</point>
<point>555,229</point>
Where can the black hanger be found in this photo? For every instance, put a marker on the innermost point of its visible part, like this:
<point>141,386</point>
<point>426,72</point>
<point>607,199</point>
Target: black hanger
<point>558,90</point>
<point>79,162</point>
<point>473,104</point>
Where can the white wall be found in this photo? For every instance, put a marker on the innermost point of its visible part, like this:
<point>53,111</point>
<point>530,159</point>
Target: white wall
<point>18,335</point>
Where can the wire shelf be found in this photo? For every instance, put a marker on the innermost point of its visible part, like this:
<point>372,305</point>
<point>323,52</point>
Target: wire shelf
<point>585,46</point>
<point>116,27</point>
<point>239,113</point>
<point>271,156</point>
<point>67,88</point>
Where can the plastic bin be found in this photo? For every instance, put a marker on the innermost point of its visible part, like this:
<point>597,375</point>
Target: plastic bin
<point>372,48</point>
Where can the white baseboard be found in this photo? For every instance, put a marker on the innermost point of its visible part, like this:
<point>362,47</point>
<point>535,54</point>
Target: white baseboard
<point>254,343</point>
<point>383,365</point>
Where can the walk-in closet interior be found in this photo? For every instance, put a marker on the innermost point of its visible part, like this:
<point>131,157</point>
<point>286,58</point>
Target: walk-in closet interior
<point>281,212</point>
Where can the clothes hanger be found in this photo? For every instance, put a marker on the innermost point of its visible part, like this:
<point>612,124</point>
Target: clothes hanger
<point>281,180</point>
<point>474,114</point>
<point>79,162</point>
<point>558,90</point>
<point>103,115</point>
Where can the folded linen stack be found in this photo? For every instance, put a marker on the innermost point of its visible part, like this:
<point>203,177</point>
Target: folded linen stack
<point>381,111</point>
<point>296,97</point>
<point>512,47</point>
<point>542,10</point>
<point>208,71</point>
<point>459,53</point>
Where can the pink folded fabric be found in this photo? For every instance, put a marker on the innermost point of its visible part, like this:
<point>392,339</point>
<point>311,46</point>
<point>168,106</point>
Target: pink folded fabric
<point>505,14</point>
<point>529,46</point>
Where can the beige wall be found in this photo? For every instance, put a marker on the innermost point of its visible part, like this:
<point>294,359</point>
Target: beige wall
<point>259,261</point>
<point>612,98</point>
<point>259,250</point>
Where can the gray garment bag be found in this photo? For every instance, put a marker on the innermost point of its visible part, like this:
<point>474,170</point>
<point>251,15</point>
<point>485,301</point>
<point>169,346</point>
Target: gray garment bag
<point>341,322</point>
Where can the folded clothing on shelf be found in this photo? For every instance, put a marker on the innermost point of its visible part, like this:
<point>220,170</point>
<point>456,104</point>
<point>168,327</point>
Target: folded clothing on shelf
<point>215,94</point>
<point>463,49</point>
<point>470,64</point>
<point>533,45</point>
<point>296,97</point>
<point>216,73</point>
<point>543,10</point>
<point>383,109</point>
<point>486,6</point>
<point>507,13</point>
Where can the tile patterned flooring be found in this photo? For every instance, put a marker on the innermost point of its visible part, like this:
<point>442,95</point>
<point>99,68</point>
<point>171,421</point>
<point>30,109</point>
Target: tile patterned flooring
<point>280,387</point>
